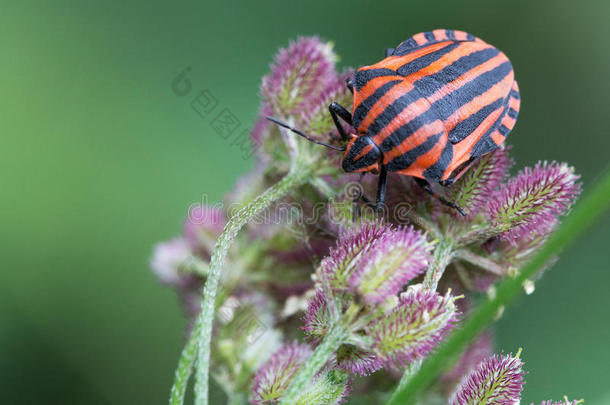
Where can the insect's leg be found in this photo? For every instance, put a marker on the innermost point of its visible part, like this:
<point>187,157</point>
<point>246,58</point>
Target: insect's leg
<point>349,82</point>
<point>336,111</point>
<point>426,186</point>
<point>389,52</point>
<point>381,188</point>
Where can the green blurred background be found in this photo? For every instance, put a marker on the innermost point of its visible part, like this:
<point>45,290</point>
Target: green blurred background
<point>100,160</point>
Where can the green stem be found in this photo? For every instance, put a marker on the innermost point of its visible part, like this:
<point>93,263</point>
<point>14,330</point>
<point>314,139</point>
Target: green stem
<point>481,262</point>
<point>442,257</point>
<point>185,367</point>
<point>584,214</point>
<point>336,336</point>
<point>295,178</point>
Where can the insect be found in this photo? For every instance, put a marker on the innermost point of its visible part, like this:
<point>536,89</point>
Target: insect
<point>435,103</point>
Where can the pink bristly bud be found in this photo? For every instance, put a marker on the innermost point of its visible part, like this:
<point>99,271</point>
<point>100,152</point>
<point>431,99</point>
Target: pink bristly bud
<point>396,257</point>
<point>298,76</point>
<point>528,206</point>
<point>472,190</point>
<point>414,328</point>
<point>273,378</point>
<point>352,246</point>
<point>317,317</point>
<point>497,380</point>
<point>357,361</point>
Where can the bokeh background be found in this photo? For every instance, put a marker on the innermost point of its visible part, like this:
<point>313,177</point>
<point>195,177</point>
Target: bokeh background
<point>100,160</point>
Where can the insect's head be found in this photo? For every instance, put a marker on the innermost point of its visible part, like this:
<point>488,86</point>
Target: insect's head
<point>361,155</point>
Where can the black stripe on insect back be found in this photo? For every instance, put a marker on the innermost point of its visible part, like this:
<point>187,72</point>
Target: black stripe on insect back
<point>364,107</point>
<point>392,111</point>
<point>362,77</point>
<point>428,85</point>
<point>436,171</point>
<point>486,144</point>
<point>404,131</point>
<point>406,159</point>
<point>453,101</point>
<point>424,61</point>
<point>467,126</point>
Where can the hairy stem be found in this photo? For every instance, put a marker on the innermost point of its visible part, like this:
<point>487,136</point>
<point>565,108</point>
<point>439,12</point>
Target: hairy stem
<point>442,257</point>
<point>481,262</point>
<point>293,179</point>
<point>336,336</point>
<point>595,204</point>
<point>185,367</point>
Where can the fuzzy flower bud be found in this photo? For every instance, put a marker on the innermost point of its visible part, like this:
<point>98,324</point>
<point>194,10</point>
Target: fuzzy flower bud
<point>328,387</point>
<point>472,190</point>
<point>273,378</point>
<point>317,317</point>
<point>318,120</point>
<point>352,246</point>
<point>298,76</point>
<point>497,380</point>
<point>357,361</point>
<point>530,203</point>
<point>396,257</point>
<point>414,328</point>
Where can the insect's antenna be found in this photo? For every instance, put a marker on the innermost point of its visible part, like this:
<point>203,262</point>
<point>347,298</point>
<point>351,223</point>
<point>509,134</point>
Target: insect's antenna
<point>304,135</point>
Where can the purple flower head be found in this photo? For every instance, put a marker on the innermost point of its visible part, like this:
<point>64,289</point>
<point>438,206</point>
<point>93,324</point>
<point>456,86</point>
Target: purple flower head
<point>298,76</point>
<point>531,202</point>
<point>472,190</point>
<point>202,226</point>
<point>497,380</point>
<point>273,378</point>
<point>414,328</point>
<point>317,317</point>
<point>319,121</point>
<point>167,259</point>
<point>396,257</point>
<point>352,246</point>
<point>357,361</point>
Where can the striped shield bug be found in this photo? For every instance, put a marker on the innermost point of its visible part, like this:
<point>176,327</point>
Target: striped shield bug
<point>435,103</point>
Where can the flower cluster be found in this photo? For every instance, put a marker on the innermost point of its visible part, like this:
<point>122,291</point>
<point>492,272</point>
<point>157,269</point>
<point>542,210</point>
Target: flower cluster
<point>347,302</point>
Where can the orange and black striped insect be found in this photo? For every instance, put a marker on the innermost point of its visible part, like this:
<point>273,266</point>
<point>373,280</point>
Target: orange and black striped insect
<point>436,103</point>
